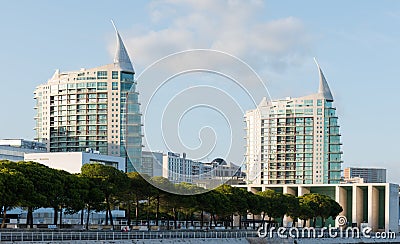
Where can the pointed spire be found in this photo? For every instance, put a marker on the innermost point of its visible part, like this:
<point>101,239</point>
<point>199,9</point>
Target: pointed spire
<point>323,84</point>
<point>121,58</point>
<point>55,75</point>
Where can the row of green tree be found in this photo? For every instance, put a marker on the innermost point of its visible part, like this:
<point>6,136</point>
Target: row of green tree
<point>98,187</point>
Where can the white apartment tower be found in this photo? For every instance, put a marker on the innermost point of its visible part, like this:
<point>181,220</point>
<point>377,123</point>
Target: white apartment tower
<point>90,108</point>
<point>294,140</point>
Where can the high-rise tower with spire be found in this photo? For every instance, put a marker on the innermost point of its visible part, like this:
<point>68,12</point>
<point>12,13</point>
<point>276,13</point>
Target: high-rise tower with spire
<point>294,140</point>
<point>89,109</point>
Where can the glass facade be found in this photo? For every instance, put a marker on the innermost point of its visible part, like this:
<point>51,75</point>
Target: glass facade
<point>300,146</point>
<point>132,123</point>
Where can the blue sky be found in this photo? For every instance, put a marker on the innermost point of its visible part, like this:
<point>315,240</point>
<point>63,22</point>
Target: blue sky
<point>356,43</point>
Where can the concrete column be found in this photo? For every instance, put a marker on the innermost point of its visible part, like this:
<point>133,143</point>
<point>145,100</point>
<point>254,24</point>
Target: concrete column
<point>391,207</point>
<point>373,207</point>
<point>341,198</point>
<point>357,207</point>
<point>252,189</point>
<point>303,190</point>
<point>291,191</point>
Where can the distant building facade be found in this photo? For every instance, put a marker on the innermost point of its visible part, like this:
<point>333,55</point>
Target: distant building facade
<point>73,161</point>
<point>14,149</point>
<point>177,169</point>
<point>152,163</point>
<point>369,175</point>
<point>294,140</point>
<point>219,172</point>
<point>90,108</point>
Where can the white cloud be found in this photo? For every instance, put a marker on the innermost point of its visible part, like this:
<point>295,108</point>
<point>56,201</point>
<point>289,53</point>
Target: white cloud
<point>235,27</point>
<point>230,26</point>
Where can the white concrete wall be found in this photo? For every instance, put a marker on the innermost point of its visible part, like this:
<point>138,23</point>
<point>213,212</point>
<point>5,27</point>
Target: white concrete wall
<point>70,162</point>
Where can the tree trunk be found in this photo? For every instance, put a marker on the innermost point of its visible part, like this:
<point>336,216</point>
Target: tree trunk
<point>269,222</point>
<point>129,214</point>
<point>55,217</point>
<point>61,213</point>
<point>175,223</point>
<point>111,217</point>
<point>3,223</point>
<point>262,220</point>
<point>106,223</point>
<point>137,210</point>
<point>201,219</point>
<point>215,221</point>
<point>314,222</point>
<point>158,209</point>
<point>82,213</point>
<point>147,211</point>
<point>254,221</point>
<point>87,218</point>
<point>168,222</point>
<point>30,217</point>
<point>240,221</point>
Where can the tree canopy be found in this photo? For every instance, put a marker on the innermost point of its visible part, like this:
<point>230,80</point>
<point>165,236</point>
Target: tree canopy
<point>100,188</point>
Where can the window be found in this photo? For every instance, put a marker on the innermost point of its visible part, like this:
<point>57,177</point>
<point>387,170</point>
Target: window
<point>91,84</point>
<point>308,102</point>
<point>126,86</point>
<point>72,86</point>
<point>308,111</point>
<point>126,76</point>
<point>115,85</point>
<point>114,75</point>
<point>101,75</point>
<point>102,85</point>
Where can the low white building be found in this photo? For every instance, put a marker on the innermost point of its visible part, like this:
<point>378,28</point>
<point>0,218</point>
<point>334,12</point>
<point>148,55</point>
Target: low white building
<point>73,161</point>
<point>373,204</point>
